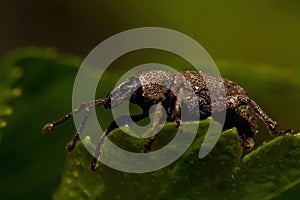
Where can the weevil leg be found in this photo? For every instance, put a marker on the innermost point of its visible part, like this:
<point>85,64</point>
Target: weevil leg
<point>88,106</point>
<point>122,120</point>
<point>70,145</point>
<point>176,114</point>
<point>158,110</point>
<point>286,132</point>
<point>91,104</point>
<point>238,100</point>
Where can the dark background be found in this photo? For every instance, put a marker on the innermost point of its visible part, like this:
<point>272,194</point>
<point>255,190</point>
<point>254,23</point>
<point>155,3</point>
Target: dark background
<point>262,35</point>
<point>262,31</point>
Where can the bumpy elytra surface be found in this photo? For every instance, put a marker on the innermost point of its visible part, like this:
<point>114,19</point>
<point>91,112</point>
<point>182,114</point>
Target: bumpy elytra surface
<point>189,87</point>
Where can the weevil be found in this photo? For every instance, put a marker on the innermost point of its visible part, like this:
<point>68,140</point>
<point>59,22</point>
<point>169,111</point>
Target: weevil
<point>171,92</point>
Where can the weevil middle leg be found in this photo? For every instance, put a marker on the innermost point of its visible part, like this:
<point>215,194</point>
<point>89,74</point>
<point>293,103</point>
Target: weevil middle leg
<point>158,110</point>
<point>122,120</point>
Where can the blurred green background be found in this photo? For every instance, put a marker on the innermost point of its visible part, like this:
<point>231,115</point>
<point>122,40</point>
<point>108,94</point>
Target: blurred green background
<point>263,31</point>
<point>256,43</point>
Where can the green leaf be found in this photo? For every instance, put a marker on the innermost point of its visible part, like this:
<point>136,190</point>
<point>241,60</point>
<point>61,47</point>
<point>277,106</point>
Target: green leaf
<point>271,169</point>
<point>164,183</point>
<point>194,178</point>
<point>30,166</point>
<point>9,75</point>
<point>264,173</point>
<point>33,163</point>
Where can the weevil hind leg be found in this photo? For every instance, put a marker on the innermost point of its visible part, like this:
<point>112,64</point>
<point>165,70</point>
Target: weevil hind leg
<point>122,120</point>
<point>235,101</point>
<point>272,125</point>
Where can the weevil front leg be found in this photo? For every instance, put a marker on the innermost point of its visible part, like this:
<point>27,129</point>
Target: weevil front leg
<point>50,126</point>
<point>88,107</point>
<point>122,120</point>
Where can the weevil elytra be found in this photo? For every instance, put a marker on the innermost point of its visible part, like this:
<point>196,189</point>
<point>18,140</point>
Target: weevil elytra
<point>143,89</point>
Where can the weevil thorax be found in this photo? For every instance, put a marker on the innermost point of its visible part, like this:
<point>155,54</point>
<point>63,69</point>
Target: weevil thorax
<point>155,85</point>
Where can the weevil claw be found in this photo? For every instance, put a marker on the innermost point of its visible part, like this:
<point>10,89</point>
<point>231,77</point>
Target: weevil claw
<point>94,164</point>
<point>48,127</point>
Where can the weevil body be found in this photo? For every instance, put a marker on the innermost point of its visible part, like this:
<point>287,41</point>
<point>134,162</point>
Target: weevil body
<point>171,92</point>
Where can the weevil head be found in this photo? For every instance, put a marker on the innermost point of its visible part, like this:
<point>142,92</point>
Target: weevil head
<point>122,93</point>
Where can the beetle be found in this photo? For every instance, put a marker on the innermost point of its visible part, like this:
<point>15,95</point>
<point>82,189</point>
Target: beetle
<point>172,92</point>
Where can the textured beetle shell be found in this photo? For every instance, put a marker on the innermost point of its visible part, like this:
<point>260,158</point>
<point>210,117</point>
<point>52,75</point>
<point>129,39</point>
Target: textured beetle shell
<point>155,84</point>
<point>190,88</point>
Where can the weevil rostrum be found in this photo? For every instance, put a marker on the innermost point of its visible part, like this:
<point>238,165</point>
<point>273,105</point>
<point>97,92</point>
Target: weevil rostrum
<point>142,89</point>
